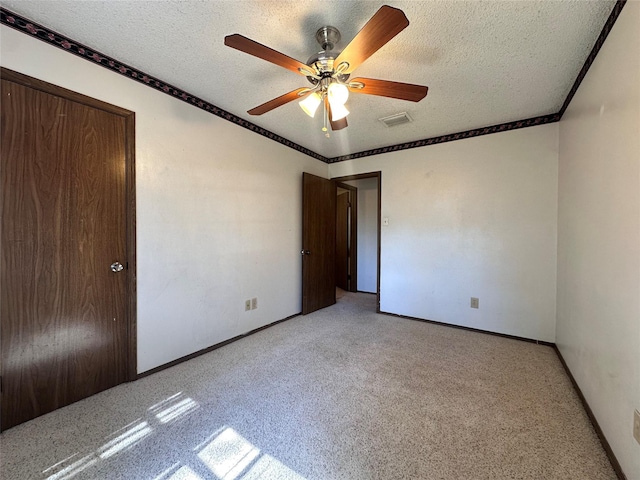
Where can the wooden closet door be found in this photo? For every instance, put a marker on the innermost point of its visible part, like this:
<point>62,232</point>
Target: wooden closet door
<point>64,316</point>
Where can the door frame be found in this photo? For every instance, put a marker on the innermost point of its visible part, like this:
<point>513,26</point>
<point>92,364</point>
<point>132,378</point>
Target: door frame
<point>353,234</point>
<point>362,176</point>
<point>130,202</point>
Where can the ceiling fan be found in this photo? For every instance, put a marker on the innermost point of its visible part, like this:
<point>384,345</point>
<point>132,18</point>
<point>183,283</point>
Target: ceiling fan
<point>329,71</point>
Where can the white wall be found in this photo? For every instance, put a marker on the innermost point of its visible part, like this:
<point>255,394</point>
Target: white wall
<point>598,326</point>
<point>219,221</point>
<point>475,217</point>
<point>218,210</point>
<point>367,233</point>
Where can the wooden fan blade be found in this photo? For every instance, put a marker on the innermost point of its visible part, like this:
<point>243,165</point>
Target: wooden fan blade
<point>338,124</point>
<point>385,88</point>
<point>382,27</point>
<point>278,102</point>
<point>256,49</point>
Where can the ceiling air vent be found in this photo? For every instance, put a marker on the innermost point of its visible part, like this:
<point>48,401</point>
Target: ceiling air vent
<point>397,119</point>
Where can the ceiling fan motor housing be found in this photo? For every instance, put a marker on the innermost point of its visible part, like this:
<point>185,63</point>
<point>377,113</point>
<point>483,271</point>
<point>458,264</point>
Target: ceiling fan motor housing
<point>323,61</point>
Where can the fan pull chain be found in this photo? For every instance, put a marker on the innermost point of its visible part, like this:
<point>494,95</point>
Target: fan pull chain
<point>325,117</point>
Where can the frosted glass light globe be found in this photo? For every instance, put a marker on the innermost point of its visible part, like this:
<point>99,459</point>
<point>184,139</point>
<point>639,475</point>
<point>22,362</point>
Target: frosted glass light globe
<point>310,104</point>
<point>338,94</point>
<point>338,112</point>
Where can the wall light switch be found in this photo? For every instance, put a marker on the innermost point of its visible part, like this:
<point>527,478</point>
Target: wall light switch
<point>475,303</point>
<point>247,305</point>
<point>254,303</point>
<point>385,221</point>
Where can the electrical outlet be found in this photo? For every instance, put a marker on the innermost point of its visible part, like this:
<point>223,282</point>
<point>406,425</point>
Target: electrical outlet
<point>636,425</point>
<point>247,305</point>
<point>254,303</point>
<point>475,303</point>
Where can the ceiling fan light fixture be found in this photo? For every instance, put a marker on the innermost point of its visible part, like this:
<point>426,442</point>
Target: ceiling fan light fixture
<point>310,104</point>
<point>338,94</point>
<point>338,112</point>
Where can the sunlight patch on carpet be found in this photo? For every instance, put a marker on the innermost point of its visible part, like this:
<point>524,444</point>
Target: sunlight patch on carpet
<point>173,407</point>
<point>229,456</point>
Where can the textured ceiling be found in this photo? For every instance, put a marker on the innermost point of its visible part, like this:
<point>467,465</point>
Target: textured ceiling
<point>485,63</point>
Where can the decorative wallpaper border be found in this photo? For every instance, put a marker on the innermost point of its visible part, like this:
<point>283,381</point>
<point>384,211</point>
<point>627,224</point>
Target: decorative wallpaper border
<point>608,25</point>
<point>47,35</point>
<point>476,132</point>
<point>503,127</point>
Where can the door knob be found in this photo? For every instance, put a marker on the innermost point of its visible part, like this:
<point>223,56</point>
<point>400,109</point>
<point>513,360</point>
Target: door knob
<point>305,252</point>
<point>116,267</point>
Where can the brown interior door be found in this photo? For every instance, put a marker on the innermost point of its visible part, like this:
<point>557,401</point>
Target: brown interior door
<point>342,241</point>
<point>318,243</point>
<point>64,312</point>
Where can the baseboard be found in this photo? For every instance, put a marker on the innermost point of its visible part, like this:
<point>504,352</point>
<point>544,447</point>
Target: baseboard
<point>603,440</point>
<point>211,348</point>
<point>368,293</point>
<point>471,329</point>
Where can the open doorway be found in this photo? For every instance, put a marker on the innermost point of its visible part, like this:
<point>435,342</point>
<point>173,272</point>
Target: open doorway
<point>319,238</point>
<point>363,227</point>
<point>346,237</point>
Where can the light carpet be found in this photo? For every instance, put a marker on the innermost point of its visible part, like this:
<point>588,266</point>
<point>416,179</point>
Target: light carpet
<point>342,393</point>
